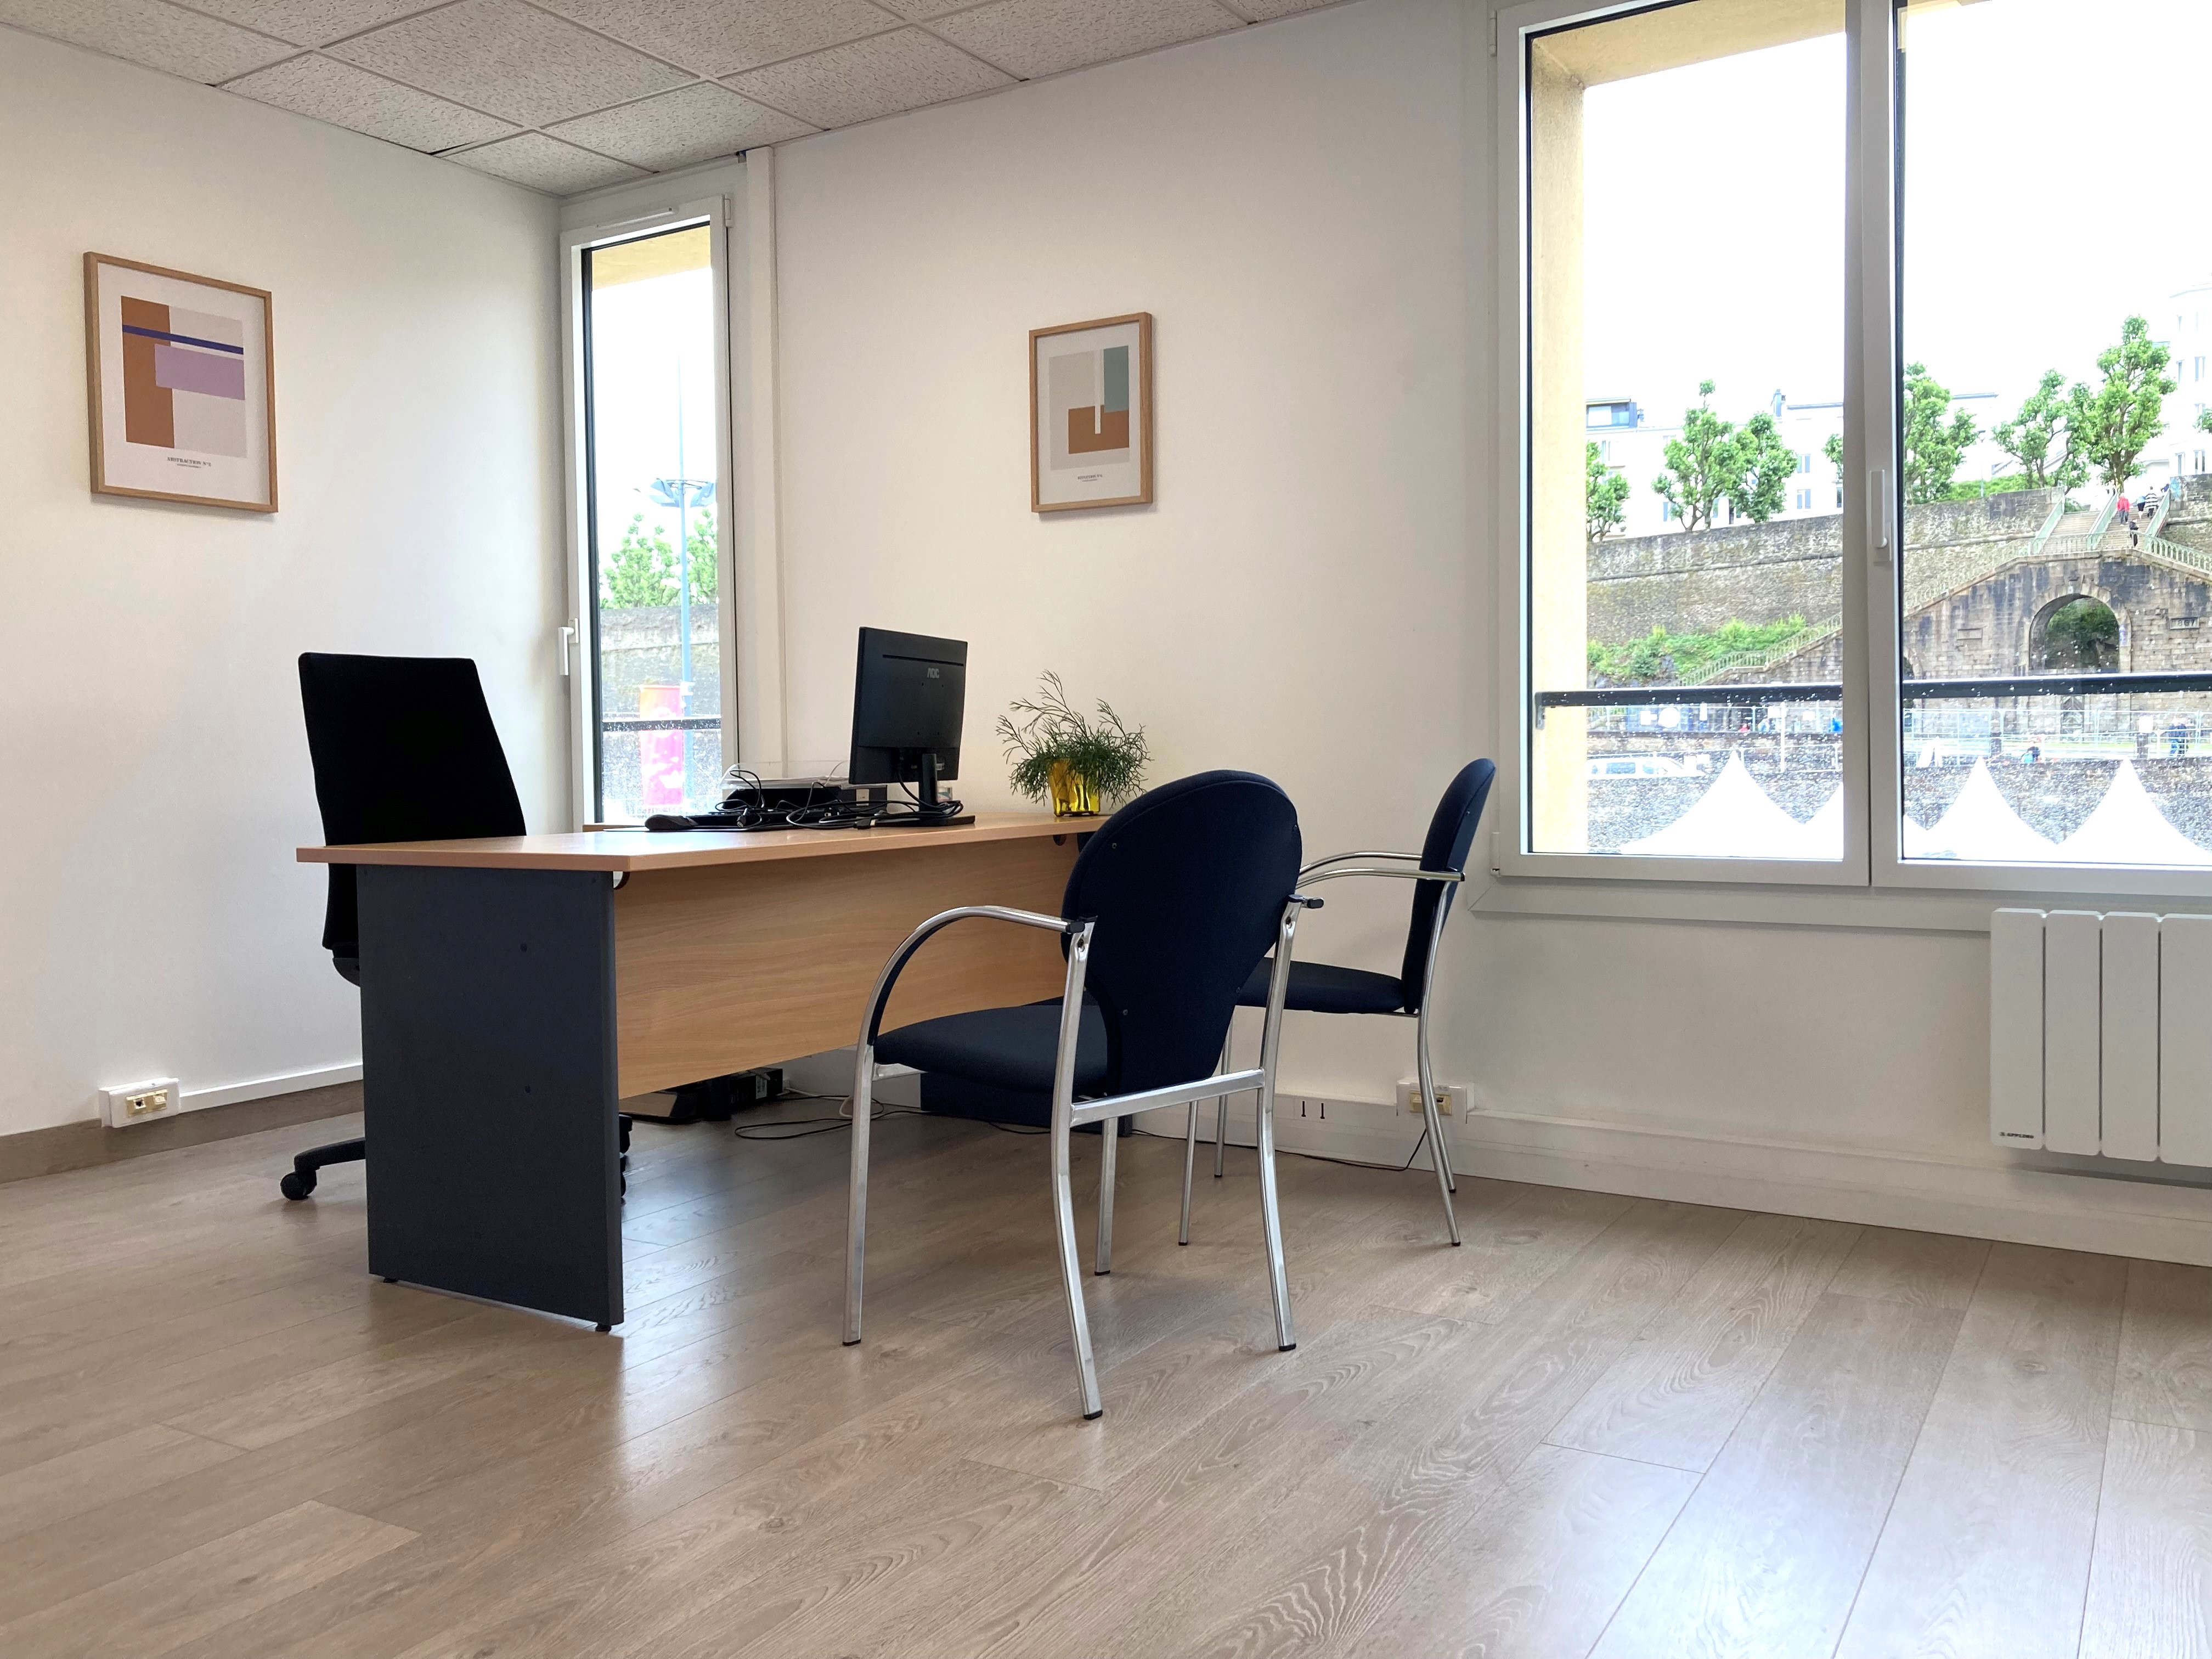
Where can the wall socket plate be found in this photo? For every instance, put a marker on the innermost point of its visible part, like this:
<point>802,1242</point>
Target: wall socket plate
<point>135,1104</point>
<point>1451,1097</point>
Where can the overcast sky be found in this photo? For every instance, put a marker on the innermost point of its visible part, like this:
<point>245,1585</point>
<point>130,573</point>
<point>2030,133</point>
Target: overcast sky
<point>2053,183</point>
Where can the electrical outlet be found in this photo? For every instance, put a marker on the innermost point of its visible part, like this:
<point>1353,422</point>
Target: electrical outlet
<point>1451,1097</point>
<point>139,1102</point>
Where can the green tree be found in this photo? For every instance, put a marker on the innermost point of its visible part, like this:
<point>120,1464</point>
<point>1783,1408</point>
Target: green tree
<point>2113,425</point>
<point>643,569</point>
<point>1762,470</point>
<point>1936,436</point>
<point>1833,449</point>
<point>1604,496</point>
<point>2040,438</point>
<point>1702,464</point>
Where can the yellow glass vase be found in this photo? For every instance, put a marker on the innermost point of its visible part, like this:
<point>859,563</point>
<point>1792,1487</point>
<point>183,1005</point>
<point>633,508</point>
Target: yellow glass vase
<point>1073,795</point>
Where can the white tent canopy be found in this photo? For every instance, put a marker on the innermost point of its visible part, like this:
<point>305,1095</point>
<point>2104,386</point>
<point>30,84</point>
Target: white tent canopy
<point>2127,828</point>
<point>1733,819</point>
<point>1980,825</point>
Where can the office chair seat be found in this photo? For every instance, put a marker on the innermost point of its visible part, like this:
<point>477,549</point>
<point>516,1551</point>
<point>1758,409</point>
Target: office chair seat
<point>1318,987</point>
<point>1005,1047</point>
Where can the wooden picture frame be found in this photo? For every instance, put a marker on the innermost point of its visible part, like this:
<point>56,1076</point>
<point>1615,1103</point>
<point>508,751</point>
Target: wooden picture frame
<point>1074,460</point>
<point>181,375</point>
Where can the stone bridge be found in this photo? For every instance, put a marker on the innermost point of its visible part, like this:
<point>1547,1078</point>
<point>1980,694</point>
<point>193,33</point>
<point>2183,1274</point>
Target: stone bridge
<point>1982,579</point>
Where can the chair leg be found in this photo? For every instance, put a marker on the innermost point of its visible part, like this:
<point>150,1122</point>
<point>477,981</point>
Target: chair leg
<point>1071,1272</point>
<point>1221,1118</point>
<point>856,1194</point>
<point>1109,1138</point>
<point>1271,1220</point>
<point>300,1181</point>
<point>1189,1167</point>
<point>1436,1153</point>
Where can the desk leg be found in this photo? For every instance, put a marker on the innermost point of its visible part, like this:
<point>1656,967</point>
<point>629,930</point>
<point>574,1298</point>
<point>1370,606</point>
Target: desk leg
<point>488,1052</point>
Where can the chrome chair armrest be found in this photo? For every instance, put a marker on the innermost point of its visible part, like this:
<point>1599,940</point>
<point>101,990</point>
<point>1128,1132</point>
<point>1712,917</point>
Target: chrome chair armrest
<point>872,1020</point>
<point>1403,875</point>
<point>1346,858</point>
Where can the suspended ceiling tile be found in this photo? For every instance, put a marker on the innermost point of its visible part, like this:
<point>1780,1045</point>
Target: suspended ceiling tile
<point>146,32</point>
<point>720,37</point>
<point>348,97</point>
<point>876,76</point>
<point>693,123</point>
<point>1260,11</point>
<point>511,59</point>
<point>312,22</point>
<point>546,164</point>
<point>1030,38</point>
<point>919,9</point>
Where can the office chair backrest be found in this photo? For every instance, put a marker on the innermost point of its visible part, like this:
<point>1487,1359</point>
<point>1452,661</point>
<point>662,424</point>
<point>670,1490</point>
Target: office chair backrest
<point>1187,885</point>
<point>1451,837</point>
<point>404,748</point>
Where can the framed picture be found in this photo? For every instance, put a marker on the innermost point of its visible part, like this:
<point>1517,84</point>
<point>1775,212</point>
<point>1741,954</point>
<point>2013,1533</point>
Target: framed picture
<point>183,390</point>
<point>1091,414</point>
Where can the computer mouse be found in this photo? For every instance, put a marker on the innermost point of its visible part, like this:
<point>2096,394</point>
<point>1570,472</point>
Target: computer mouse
<point>669,821</point>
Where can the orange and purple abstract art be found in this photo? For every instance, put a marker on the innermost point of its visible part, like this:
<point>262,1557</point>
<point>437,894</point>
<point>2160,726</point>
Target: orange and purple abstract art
<point>184,379</point>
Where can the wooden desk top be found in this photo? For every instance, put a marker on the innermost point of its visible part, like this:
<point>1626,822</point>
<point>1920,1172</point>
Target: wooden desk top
<point>643,849</point>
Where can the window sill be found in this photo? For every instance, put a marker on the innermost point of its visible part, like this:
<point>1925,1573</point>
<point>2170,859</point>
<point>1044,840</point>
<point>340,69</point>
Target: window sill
<point>1874,909</point>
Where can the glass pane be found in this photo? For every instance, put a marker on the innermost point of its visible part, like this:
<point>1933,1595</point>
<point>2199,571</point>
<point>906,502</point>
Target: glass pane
<point>2057,553</point>
<point>652,445</point>
<point>1686,210</point>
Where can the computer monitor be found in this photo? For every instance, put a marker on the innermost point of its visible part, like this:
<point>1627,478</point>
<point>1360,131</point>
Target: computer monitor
<point>909,693</point>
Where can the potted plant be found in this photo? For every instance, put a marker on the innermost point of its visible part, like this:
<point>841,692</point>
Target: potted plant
<point>1060,755</point>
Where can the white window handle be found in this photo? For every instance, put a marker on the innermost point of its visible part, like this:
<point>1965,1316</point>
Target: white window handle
<point>1880,513</point>
<point>567,640</point>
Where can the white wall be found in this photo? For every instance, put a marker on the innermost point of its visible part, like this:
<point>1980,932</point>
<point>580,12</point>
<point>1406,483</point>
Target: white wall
<point>155,771</point>
<point>1306,207</point>
<point>1287,202</point>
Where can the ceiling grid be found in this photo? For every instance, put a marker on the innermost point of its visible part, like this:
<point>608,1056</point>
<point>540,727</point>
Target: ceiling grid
<point>568,95</point>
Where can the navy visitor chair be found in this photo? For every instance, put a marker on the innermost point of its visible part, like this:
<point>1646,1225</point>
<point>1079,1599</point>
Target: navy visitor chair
<point>1170,904</point>
<point>404,748</point>
<point>1316,987</point>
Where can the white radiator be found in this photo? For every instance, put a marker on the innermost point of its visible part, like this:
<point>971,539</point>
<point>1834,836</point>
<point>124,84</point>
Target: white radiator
<point>2099,1035</point>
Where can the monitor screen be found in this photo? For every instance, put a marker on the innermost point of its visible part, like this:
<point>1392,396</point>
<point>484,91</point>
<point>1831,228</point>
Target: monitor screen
<point>909,692</point>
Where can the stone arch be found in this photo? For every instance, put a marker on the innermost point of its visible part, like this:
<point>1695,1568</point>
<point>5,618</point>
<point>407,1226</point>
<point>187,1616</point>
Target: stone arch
<point>2092,649</point>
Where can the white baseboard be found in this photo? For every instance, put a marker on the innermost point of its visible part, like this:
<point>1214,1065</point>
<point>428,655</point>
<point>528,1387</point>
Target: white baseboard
<point>286,1083</point>
<point>2118,1214</point>
<point>2110,1215</point>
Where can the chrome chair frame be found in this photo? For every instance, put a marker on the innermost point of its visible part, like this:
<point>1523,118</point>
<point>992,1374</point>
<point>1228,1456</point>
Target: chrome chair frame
<point>1067,1112</point>
<point>1324,870</point>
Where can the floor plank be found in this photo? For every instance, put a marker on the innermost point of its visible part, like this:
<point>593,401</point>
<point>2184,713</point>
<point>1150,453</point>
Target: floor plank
<point>1765,1558</point>
<point>1986,1550</point>
<point>1677,1394</point>
<point>2166,1347</point>
<point>159,1607</point>
<point>2150,1577</point>
<point>1537,1572</point>
<point>1929,1270</point>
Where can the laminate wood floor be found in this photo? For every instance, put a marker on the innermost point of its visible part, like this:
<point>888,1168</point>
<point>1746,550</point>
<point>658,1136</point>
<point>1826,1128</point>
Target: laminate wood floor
<point>1605,1427</point>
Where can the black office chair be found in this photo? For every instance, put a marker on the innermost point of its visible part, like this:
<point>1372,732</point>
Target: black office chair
<point>404,748</point>
<point>1172,902</point>
<point>1316,987</point>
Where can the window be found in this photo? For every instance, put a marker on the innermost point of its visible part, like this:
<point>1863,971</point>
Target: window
<point>1611,413</point>
<point>1719,627</point>
<point>2040,745</point>
<point>2023,701</point>
<point>652,391</point>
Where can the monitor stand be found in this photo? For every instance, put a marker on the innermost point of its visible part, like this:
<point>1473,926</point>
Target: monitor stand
<point>931,810</point>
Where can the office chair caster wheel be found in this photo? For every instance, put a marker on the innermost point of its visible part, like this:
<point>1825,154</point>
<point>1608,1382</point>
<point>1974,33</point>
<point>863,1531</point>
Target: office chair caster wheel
<point>297,1185</point>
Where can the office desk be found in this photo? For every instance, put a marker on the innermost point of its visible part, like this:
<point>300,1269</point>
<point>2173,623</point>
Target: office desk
<point>514,989</point>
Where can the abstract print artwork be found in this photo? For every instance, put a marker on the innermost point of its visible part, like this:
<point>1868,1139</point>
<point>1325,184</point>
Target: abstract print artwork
<point>180,386</point>
<point>1091,414</point>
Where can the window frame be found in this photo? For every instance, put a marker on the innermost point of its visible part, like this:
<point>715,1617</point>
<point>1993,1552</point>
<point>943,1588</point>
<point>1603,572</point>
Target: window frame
<point>1873,704</point>
<point>1513,855</point>
<point>581,644</point>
